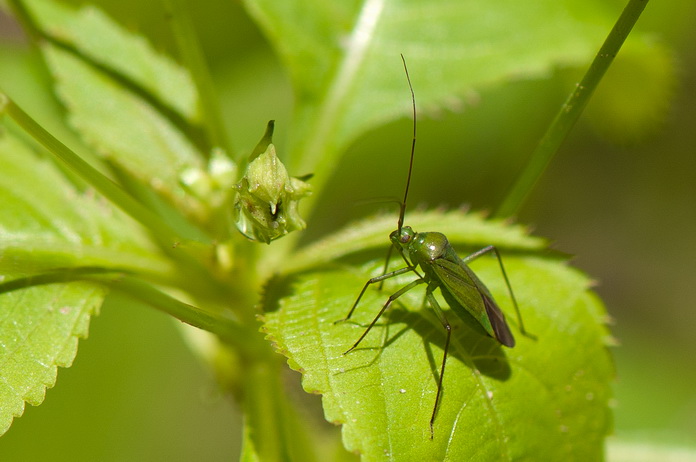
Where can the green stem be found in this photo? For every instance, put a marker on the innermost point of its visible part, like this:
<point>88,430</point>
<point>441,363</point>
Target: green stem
<point>273,429</point>
<point>194,60</point>
<point>571,110</point>
<point>242,338</point>
<point>112,191</point>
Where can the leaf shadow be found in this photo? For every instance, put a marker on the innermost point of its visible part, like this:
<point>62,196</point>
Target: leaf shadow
<point>276,288</point>
<point>478,352</point>
<point>386,341</point>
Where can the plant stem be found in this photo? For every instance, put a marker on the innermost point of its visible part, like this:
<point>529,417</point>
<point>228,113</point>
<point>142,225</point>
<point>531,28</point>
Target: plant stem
<point>243,338</point>
<point>571,110</point>
<point>194,60</point>
<point>273,430</point>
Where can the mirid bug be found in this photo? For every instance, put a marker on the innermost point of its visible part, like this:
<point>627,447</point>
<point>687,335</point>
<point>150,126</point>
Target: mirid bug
<point>442,268</point>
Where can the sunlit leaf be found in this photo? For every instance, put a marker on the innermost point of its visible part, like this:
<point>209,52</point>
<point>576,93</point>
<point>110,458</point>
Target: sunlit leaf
<point>45,223</point>
<point>106,43</point>
<point>545,399</point>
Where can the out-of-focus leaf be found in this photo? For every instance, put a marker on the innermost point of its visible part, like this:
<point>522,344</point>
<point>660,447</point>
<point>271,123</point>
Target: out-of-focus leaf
<point>123,127</point>
<point>102,41</point>
<point>345,65</point>
<point>122,98</point>
<point>545,399</point>
<point>634,451</point>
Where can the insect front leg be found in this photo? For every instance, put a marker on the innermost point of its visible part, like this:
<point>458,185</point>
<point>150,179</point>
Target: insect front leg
<point>492,248</point>
<point>390,300</point>
<point>369,283</point>
<point>386,264</point>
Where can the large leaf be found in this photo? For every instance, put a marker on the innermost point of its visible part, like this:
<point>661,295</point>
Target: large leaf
<point>45,223</point>
<point>344,57</point>
<point>47,227</point>
<point>545,399</point>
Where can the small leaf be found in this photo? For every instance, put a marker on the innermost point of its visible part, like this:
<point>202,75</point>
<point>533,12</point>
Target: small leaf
<point>39,329</point>
<point>545,399</point>
<point>125,128</point>
<point>136,107</point>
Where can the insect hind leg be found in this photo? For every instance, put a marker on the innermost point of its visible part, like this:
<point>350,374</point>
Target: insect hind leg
<point>448,328</point>
<point>493,249</point>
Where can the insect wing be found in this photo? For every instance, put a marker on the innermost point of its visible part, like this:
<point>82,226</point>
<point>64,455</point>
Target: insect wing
<point>472,295</point>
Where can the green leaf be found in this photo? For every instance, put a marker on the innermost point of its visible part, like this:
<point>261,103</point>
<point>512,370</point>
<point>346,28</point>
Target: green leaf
<point>369,234</point>
<point>39,328</point>
<point>344,58</point>
<point>125,128</point>
<point>134,106</point>
<point>46,224</point>
<point>642,451</point>
<point>545,399</point>
<point>105,43</point>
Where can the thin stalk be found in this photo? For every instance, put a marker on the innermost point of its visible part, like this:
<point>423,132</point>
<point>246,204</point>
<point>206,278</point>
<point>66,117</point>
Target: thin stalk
<point>243,338</point>
<point>194,60</point>
<point>112,191</point>
<point>571,110</point>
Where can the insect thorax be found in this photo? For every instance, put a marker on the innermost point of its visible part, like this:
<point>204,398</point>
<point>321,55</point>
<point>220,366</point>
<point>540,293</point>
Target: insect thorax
<point>420,247</point>
<point>428,246</point>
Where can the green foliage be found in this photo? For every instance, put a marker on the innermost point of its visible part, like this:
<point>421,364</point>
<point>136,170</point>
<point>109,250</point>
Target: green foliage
<point>340,58</point>
<point>545,399</point>
<point>46,227</point>
<point>62,248</point>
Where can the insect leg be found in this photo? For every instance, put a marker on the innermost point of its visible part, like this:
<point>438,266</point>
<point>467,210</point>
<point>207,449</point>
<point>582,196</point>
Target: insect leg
<point>372,281</point>
<point>391,299</point>
<point>386,265</point>
<point>492,248</point>
<point>443,319</point>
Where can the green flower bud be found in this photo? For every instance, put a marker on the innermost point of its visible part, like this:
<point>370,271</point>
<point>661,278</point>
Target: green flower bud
<point>266,206</point>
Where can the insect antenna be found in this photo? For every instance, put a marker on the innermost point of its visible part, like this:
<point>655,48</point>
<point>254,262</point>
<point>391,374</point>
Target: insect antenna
<point>402,212</point>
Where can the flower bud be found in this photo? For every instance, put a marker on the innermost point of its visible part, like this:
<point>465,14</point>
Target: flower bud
<point>266,206</point>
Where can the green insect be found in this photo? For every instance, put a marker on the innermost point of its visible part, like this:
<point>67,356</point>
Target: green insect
<point>463,291</point>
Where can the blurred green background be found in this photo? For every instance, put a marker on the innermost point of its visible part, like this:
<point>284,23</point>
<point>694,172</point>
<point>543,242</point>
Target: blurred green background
<point>620,197</point>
